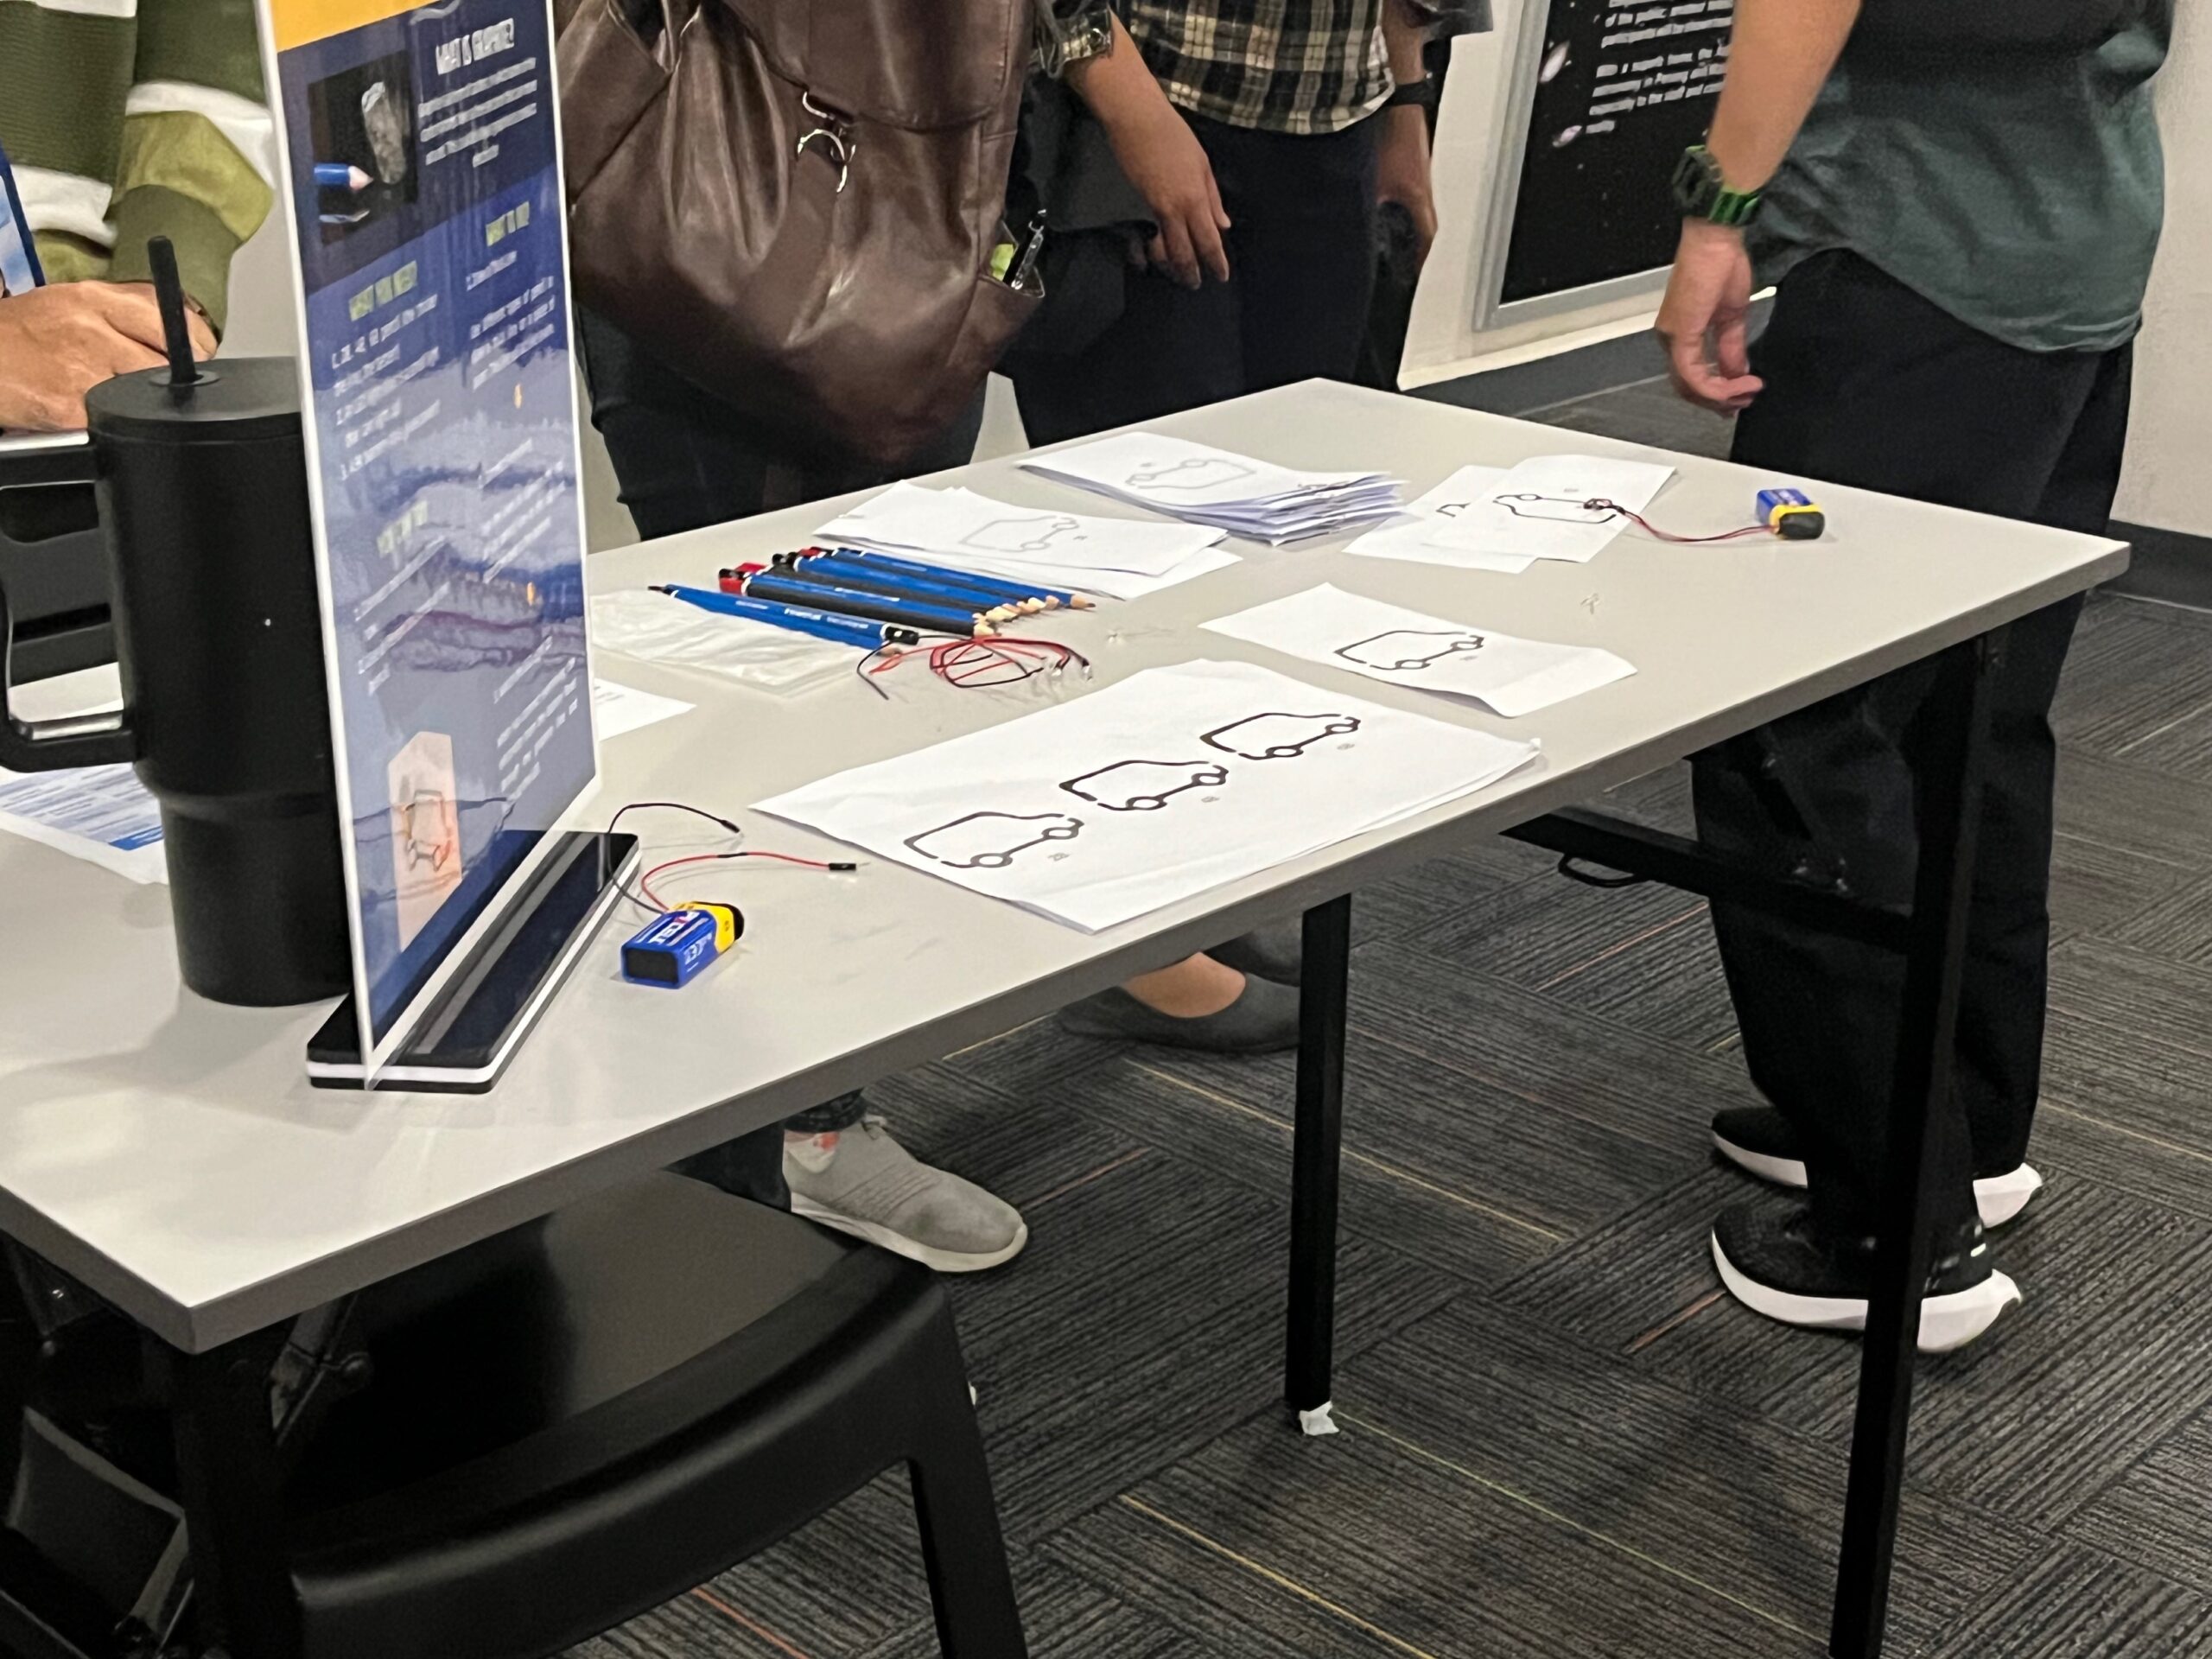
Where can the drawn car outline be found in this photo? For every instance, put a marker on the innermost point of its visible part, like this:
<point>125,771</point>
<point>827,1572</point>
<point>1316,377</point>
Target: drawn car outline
<point>1463,642</point>
<point>434,848</point>
<point>1044,531</point>
<point>1213,470</point>
<point>988,855</point>
<point>1193,775</point>
<point>1585,510</point>
<point>1251,747</point>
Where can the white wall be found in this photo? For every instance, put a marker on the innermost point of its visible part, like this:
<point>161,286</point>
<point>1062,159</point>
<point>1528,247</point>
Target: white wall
<point>2169,479</point>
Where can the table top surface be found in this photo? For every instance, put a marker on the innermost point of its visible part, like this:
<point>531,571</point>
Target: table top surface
<point>170,1152</point>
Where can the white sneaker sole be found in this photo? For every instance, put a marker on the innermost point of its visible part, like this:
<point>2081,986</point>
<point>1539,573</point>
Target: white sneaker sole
<point>1947,1323</point>
<point>899,1244</point>
<point>1999,1198</point>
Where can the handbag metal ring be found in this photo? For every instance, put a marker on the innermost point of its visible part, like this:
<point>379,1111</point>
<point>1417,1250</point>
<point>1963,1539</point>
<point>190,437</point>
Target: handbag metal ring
<point>832,131</point>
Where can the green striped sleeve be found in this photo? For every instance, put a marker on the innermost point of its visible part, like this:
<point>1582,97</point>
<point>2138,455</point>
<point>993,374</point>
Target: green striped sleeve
<point>63,79</point>
<point>207,42</point>
<point>196,145</point>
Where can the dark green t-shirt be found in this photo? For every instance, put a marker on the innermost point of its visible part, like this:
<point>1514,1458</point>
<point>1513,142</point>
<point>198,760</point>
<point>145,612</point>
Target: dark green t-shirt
<point>2023,195</point>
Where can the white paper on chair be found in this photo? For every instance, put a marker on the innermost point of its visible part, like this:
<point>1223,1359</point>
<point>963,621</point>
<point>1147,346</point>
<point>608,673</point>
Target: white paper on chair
<point>1387,642</point>
<point>962,527</point>
<point>1152,791</point>
<point>1407,536</point>
<point>1198,483</point>
<point>1540,508</point>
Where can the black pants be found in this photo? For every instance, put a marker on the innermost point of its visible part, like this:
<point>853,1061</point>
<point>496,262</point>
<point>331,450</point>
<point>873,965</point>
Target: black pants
<point>685,459</point>
<point>1302,266</point>
<point>1869,385</point>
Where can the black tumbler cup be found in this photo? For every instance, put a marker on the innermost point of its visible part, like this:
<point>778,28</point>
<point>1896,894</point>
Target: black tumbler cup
<point>203,497</point>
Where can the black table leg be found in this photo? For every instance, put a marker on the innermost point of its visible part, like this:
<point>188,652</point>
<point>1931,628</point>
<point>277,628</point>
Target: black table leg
<point>233,1489</point>
<point>1322,1003</point>
<point>1949,822</point>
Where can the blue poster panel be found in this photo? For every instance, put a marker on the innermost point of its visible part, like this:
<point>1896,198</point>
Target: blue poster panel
<point>423,184</point>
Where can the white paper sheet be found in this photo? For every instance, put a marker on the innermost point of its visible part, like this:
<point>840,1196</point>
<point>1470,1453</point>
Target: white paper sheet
<point>1172,782</point>
<point>105,816</point>
<point>1104,584</point>
<point>1203,484</point>
<point>621,710</point>
<point>961,528</point>
<point>1539,510</point>
<point>1387,642</point>
<point>1406,536</point>
<point>655,628</point>
<point>100,814</point>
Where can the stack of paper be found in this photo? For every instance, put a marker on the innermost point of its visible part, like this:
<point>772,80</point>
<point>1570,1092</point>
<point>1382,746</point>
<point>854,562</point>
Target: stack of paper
<point>1205,485</point>
<point>1151,791</point>
<point>1121,558</point>
<point>1387,642</point>
<point>1548,507</point>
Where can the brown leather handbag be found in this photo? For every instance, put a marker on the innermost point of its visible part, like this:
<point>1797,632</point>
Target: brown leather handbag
<point>795,202</point>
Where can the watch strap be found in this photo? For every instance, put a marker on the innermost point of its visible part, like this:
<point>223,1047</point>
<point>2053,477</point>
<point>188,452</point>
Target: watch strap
<point>1418,93</point>
<point>1701,192</point>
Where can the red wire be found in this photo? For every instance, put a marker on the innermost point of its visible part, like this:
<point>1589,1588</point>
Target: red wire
<point>645,881</point>
<point>1652,530</point>
<point>965,663</point>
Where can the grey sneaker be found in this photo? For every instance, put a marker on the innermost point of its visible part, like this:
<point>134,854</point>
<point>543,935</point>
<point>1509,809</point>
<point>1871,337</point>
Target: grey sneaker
<point>873,1188</point>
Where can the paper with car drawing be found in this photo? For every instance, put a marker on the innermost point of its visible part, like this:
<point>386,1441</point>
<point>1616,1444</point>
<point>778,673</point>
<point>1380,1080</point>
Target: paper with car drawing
<point>1120,558</point>
<point>1543,508</point>
<point>1152,790</point>
<point>1387,642</point>
<point>1407,536</point>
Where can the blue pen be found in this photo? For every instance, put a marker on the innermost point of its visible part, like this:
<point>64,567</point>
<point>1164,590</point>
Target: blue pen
<point>851,601</point>
<point>854,573</point>
<point>845,630</point>
<point>999,585</point>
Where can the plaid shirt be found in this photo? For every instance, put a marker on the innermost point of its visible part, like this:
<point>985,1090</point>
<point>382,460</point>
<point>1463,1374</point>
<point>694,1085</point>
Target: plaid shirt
<point>1285,65</point>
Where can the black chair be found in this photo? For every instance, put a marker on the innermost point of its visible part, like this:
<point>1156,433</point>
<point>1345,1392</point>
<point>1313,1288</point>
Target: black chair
<point>53,567</point>
<point>569,1424</point>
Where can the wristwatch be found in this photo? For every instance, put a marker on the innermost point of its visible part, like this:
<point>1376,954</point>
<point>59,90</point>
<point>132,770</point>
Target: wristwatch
<point>1701,192</point>
<point>1419,94</point>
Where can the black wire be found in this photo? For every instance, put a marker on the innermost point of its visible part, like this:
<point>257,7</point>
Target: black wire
<point>620,812</point>
<point>866,669</point>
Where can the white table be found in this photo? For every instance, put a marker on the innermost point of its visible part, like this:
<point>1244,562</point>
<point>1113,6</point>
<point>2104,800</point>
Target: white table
<point>170,1153</point>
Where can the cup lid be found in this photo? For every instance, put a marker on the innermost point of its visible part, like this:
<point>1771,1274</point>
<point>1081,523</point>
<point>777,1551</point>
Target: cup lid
<point>235,399</point>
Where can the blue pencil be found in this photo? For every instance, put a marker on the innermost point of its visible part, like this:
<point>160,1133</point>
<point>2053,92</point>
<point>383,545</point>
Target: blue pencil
<point>999,585</point>
<point>851,601</point>
<point>797,618</point>
<point>853,573</point>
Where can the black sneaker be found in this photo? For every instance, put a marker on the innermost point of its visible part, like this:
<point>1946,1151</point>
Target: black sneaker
<point>1760,1139</point>
<point>1788,1269</point>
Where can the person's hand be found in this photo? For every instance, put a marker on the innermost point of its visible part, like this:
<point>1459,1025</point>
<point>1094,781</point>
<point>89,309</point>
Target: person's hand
<point>58,343</point>
<point>1165,161</point>
<point>1705,320</point>
<point>1401,172</point>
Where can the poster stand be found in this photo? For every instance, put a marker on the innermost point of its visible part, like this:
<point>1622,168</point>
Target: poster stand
<point>419,172</point>
<point>479,1018</point>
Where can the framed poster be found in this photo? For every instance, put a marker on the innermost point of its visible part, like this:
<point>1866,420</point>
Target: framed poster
<point>1605,97</point>
<point>420,166</point>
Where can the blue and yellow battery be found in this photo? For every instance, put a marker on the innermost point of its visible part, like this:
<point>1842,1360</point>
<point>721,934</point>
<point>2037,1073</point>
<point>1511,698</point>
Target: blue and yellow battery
<point>1792,515</point>
<point>671,951</point>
